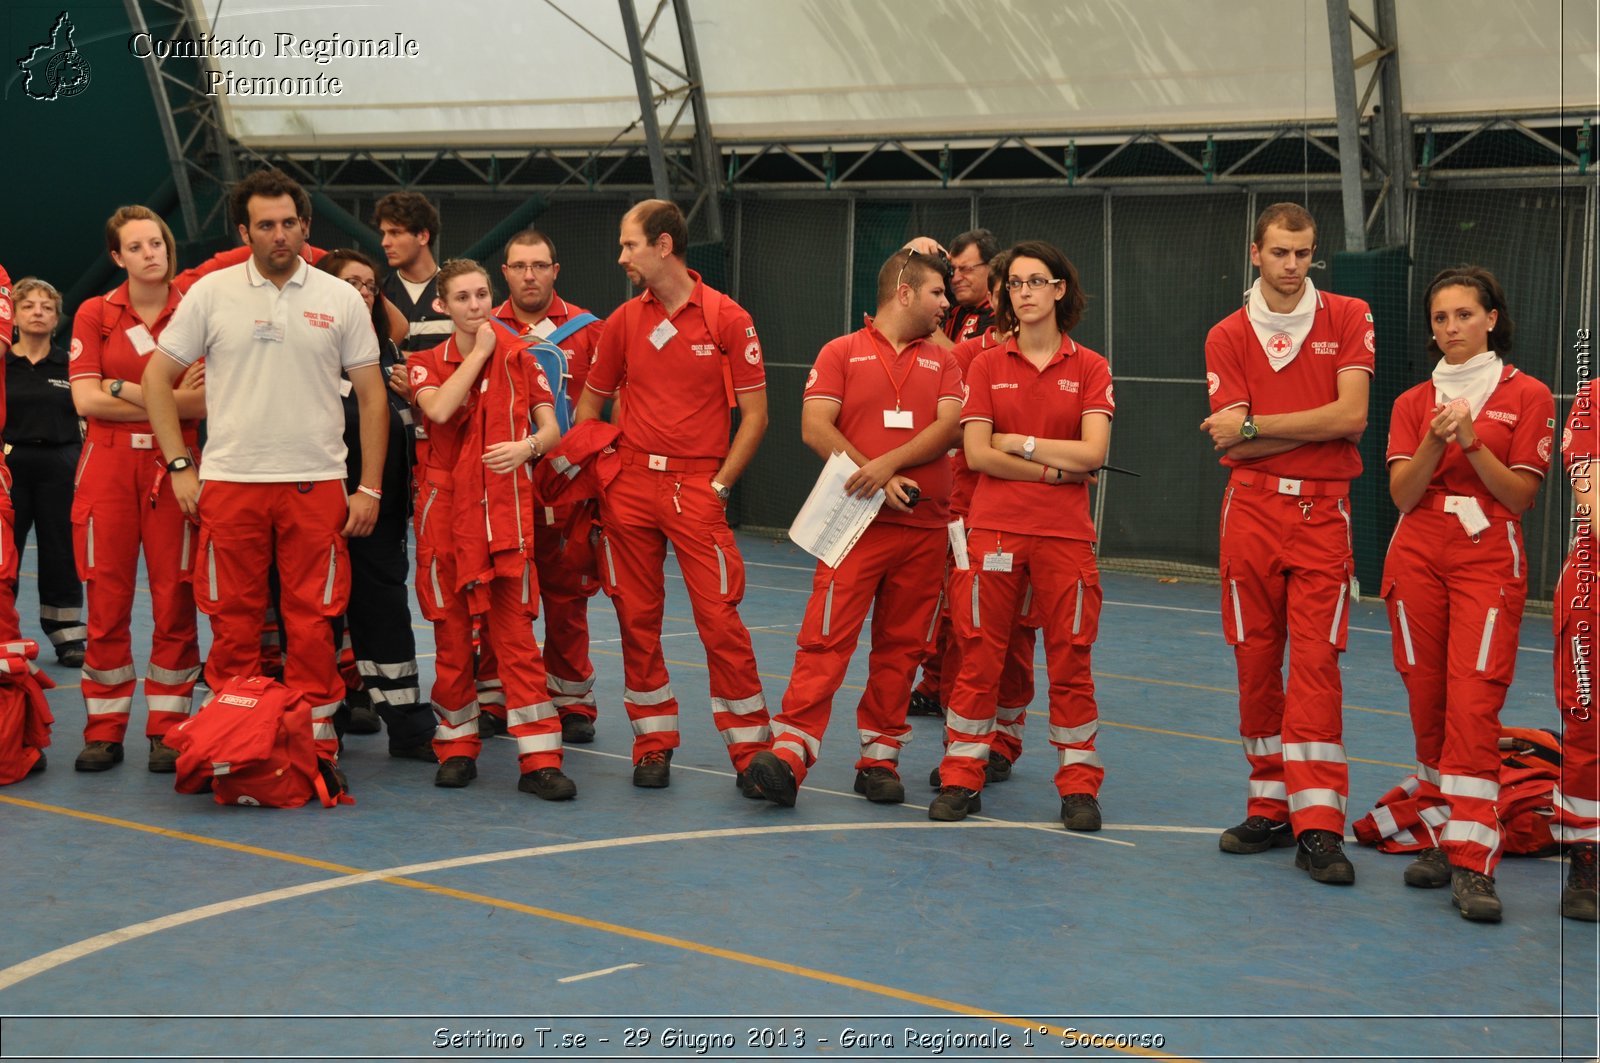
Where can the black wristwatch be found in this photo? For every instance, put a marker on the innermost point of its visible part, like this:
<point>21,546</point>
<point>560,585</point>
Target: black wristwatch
<point>180,464</point>
<point>1248,429</point>
<point>116,388</point>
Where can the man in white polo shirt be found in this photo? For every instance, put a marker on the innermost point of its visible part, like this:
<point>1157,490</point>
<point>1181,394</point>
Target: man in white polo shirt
<point>275,334</point>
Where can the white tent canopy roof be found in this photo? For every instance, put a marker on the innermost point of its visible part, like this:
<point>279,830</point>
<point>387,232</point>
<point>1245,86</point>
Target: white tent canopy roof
<point>527,73</point>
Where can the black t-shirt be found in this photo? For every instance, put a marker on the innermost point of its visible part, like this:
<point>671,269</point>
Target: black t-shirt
<point>39,400</point>
<point>397,463</point>
<point>428,328</point>
<point>964,322</point>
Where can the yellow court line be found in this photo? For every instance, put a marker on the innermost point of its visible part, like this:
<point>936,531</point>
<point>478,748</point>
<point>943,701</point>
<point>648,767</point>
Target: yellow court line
<point>583,922</point>
<point>183,836</point>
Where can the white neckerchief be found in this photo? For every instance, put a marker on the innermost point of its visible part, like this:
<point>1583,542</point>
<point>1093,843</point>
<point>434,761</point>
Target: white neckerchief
<point>1473,380</point>
<point>1281,334</point>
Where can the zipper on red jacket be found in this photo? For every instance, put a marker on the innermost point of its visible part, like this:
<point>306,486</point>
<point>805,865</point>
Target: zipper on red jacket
<point>511,415</point>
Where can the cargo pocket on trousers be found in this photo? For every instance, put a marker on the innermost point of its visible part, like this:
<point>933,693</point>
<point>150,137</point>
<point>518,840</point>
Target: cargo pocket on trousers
<point>1232,607</point>
<point>730,566</point>
<point>430,588</point>
<point>1086,609</point>
<point>335,589</point>
<point>1404,650</point>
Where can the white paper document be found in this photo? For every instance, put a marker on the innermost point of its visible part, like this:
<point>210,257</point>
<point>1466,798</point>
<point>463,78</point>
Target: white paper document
<point>831,521</point>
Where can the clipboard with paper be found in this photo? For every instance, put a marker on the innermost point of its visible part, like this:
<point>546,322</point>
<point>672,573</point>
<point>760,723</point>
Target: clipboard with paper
<point>831,520</point>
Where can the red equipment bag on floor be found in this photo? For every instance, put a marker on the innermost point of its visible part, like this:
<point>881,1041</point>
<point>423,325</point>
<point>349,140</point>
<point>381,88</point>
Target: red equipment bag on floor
<point>251,744</point>
<point>24,715</point>
<point>1530,765</point>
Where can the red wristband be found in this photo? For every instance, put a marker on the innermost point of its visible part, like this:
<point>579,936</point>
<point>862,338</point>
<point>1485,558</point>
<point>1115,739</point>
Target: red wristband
<point>1477,445</point>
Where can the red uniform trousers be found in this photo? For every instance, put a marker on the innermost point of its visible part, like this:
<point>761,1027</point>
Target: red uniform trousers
<point>1286,564</point>
<point>886,572</point>
<point>1577,795</point>
<point>643,510</point>
<point>566,583</point>
<point>244,529</point>
<point>942,665</point>
<point>506,609</point>
<point>988,608</point>
<point>1455,604</point>
<point>10,622</point>
<point>122,500</point>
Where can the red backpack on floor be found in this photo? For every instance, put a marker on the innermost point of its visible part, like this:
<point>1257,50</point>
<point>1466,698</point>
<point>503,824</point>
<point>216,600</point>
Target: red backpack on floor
<point>251,744</point>
<point>1530,766</point>
<point>24,716</point>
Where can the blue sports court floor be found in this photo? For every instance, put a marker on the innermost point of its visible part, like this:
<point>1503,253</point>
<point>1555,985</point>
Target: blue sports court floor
<point>689,923</point>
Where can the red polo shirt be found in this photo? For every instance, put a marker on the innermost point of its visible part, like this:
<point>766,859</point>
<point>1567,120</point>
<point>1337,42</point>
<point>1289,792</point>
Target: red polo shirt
<point>1005,389</point>
<point>965,480</point>
<point>106,337</point>
<point>580,347</point>
<point>674,395</point>
<point>429,370</point>
<point>863,374</point>
<point>1238,374</point>
<point>1517,424</point>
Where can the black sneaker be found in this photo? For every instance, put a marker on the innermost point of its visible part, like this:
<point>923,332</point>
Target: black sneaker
<point>576,729</point>
<point>38,765</point>
<point>922,705</point>
<point>421,750</point>
<point>1080,812</point>
<point>747,787</point>
<point>881,786</point>
<point>70,655</point>
<point>654,770</point>
<point>549,784</point>
<point>1583,881</point>
<point>775,778</point>
<point>98,756</point>
<point>364,719</point>
<point>954,803</point>
<point>1321,854</point>
<point>1472,892</point>
<point>1429,871</point>
<point>1256,834</point>
<point>490,725</point>
<point>933,777</point>
<point>456,772</point>
<point>998,769</point>
<point>163,758</point>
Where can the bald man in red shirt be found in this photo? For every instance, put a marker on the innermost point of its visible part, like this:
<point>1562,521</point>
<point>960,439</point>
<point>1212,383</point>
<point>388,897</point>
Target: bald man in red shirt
<point>1289,374</point>
<point>677,358</point>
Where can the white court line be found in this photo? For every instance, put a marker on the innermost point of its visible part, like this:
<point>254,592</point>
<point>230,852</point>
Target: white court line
<point>1054,828</point>
<point>49,961</point>
<point>600,973</point>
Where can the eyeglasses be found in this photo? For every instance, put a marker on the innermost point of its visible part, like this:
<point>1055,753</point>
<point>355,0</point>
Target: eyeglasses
<point>530,267</point>
<point>370,287</point>
<point>1016,284</point>
<point>942,263</point>
<point>967,271</point>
